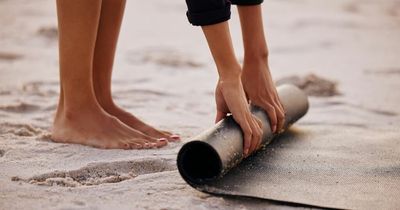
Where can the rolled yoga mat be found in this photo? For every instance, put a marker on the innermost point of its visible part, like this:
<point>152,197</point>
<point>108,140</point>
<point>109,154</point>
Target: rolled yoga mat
<point>330,163</point>
<point>213,153</point>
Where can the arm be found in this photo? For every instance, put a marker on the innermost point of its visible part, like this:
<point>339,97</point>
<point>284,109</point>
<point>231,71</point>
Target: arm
<point>230,95</point>
<point>256,77</point>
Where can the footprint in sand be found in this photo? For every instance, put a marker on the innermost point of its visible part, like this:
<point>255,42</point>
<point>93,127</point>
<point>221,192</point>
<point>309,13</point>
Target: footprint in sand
<point>101,173</point>
<point>49,32</point>
<point>2,152</point>
<point>7,56</point>
<point>164,57</point>
<point>312,84</point>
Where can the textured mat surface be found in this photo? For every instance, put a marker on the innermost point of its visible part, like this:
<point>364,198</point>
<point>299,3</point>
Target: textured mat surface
<point>322,167</point>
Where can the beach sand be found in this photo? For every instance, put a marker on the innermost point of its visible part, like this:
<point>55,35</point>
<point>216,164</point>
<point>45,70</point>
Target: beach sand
<point>345,54</point>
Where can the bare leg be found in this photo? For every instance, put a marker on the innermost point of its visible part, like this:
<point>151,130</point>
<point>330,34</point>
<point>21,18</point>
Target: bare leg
<point>107,37</point>
<point>79,118</point>
<point>256,76</point>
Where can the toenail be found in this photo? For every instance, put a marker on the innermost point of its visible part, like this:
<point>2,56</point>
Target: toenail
<point>175,137</point>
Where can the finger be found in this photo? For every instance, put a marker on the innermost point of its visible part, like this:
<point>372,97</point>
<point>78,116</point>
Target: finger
<point>280,105</point>
<point>261,126</point>
<point>280,115</point>
<point>247,96</point>
<point>247,133</point>
<point>256,134</point>
<point>260,130</point>
<point>278,101</point>
<point>220,116</point>
<point>272,116</point>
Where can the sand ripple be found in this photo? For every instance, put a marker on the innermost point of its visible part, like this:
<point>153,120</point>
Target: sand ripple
<point>164,57</point>
<point>101,173</point>
<point>20,129</point>
<point>20,107</point>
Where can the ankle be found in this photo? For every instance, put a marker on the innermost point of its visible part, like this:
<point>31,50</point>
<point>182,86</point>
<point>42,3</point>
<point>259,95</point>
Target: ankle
<point>107,103</point>
<point>71,113</point>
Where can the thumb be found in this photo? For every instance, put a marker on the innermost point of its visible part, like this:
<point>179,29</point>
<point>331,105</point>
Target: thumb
<point>220,116</point>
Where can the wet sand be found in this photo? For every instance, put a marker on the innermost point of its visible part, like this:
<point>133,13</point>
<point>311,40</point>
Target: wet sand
<point>165,75</point>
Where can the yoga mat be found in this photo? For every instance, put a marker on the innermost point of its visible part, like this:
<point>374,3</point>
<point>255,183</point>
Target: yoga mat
<point>323,168</point>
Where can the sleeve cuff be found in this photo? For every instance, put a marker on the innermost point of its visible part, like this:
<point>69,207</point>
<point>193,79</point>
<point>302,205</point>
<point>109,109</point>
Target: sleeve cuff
<point>210,17</point>
<point>246,2</point>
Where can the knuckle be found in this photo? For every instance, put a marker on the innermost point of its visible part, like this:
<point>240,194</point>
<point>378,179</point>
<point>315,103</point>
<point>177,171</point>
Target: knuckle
<point>247,137</point>
<point>269,107</point>
<point>247,131</point>
<point>257,135</point>
<point>281,113</point>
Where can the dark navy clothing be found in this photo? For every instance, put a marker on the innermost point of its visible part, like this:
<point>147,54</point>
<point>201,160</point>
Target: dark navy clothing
<point>208,12</point>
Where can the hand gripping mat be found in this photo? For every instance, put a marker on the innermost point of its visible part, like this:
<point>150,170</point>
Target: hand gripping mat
<point>324,167</point>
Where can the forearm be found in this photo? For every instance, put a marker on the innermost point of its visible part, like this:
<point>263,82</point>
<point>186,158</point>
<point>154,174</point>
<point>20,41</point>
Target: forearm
<point>254,42</point>
<point>220,44</point>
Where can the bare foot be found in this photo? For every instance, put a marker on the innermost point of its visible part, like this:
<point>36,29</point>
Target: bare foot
<point>139,125</point>
<point>95,127</point>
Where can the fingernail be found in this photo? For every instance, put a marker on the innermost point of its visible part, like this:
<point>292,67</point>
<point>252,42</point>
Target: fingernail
<point>274,128</point>
<point>246,151</point>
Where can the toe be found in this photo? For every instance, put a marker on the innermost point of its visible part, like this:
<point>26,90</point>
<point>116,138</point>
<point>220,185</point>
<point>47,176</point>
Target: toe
<point>161,142</point>
<point>174,138</point>
<point>147,145</point>
<point>136,146</point>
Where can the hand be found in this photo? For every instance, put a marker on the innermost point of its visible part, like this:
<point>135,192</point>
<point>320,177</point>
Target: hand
<point>261,91</point>
<point>230,98</point>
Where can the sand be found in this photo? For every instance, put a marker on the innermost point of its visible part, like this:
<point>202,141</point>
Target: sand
<point>165,75</point>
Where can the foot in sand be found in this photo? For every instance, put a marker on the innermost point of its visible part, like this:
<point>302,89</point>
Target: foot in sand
<point>135,123</point>
<point>94,127</point>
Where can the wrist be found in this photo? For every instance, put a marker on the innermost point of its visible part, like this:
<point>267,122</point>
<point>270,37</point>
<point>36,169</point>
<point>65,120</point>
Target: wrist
<point>231,73</point>
<point>256,54</point>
